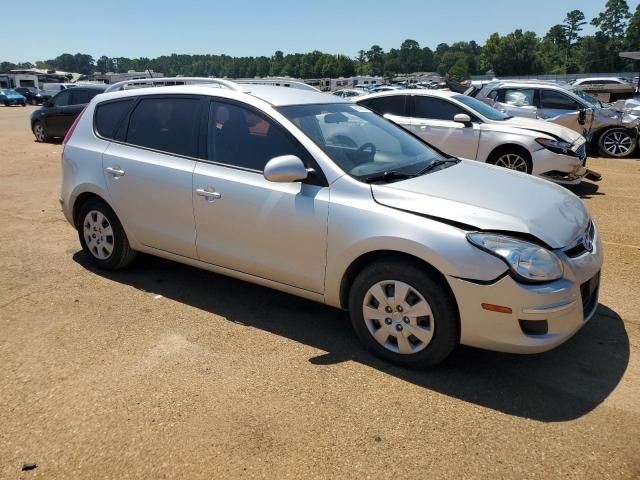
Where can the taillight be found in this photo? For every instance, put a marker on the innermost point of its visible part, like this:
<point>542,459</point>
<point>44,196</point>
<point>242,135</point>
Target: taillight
<point>67,137</point>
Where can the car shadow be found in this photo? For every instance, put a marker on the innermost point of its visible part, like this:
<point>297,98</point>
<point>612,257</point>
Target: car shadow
<point>585,189</point>
<point>560,385</point>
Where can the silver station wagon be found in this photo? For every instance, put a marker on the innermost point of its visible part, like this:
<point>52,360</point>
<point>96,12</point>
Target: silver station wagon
<point>315,196</point>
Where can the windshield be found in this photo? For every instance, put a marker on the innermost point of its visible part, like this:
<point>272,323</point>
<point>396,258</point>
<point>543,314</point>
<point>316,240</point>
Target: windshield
<point>361,142</point>
<point>585,96</point>
<point>482,108</point>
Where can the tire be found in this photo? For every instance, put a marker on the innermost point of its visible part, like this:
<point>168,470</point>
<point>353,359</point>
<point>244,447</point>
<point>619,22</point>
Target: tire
<point>33,101</point>
<point>617,143</point>
<point>7,104</point>
<point>427,310</point>
<point>102,237</point>
<point>24,104</point>
<point>40,132</point>
<point>512,158</point>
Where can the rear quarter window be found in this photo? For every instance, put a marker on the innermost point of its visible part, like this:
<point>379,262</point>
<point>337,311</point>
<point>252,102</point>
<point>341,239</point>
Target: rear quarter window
<point>109,116</point>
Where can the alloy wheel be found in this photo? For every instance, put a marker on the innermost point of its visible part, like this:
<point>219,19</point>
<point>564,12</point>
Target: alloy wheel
<point>617,143</point>
<point>98,235</point>
<point>398,317</point>
<point>512,161</point>
<point>39,132</point>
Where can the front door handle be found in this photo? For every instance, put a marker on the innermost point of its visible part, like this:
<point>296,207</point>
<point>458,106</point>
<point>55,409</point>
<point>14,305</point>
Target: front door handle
<point>209,194</point>
<point>116,172</point>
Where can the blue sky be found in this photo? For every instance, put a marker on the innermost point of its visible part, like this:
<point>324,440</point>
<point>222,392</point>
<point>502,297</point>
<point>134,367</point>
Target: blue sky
<point>240,27</point>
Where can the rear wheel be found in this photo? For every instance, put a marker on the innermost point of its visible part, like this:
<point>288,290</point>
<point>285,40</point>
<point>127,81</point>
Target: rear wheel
<point>33,101</point>
<point>40,132</point>
<point>402,315</point>
<point>512,158</point>
<point>102,237</point>
<point>617,143</point>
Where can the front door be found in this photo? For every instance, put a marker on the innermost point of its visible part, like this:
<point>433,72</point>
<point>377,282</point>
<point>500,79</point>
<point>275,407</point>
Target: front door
<point>56,118</point>
<point>276,231</point>
<point>560,108</point>
<point>432,120</point>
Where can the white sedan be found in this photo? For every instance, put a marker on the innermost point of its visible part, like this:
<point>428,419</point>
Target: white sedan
<point>464,127</point>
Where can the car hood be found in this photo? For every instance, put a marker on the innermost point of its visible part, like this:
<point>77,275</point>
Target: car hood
<point>491,198</point>
<point>542,126</point>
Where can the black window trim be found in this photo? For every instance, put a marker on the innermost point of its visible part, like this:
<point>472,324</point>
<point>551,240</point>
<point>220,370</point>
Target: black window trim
<point>406,109</point>
<point>318,178</point>
<point>124,125</point>
<point>412,109</point>
<point>562,94</point>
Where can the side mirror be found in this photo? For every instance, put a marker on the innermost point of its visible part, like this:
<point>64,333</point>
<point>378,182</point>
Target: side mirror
<point>582,116</point>
<point>285,169</point>
<point>462,118</point>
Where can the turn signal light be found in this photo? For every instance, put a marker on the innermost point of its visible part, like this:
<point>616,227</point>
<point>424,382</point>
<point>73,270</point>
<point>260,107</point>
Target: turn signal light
<point>496,308</point>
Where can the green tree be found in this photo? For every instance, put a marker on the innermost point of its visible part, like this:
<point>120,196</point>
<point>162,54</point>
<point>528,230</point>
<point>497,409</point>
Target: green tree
<point>513,54</point>
<point>612,24</point>
<point>375,57</point>
<point>632,37</point>
<point>573,24</point>
<point>410,56</point>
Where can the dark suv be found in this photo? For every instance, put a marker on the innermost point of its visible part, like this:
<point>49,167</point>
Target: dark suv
<point>57,115</point>
<point>33,95</point>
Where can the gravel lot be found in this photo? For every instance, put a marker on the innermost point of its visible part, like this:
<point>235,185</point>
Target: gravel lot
<point>166,371</point>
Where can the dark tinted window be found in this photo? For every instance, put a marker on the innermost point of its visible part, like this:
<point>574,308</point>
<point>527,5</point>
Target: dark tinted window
<point>392,104</point>
<point>166,124</point>
<point>557,100</point>
<point>80,96</point>
<point>435,108</point>
<point>62,99</point>
<point>244,138</point>
<point>108,117</point>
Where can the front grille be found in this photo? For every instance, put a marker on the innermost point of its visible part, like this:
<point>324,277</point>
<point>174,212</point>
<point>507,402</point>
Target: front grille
<point>580,248</point>
<point>589,294</point>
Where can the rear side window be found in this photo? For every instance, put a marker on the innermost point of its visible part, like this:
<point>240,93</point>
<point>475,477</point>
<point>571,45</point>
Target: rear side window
<point>80,96</point>
<point>392,104</point>
<point>62,99</point>
<point>109,116</point>
<point>518,97</point>
<point>435,108</point>
<point>165,124</point>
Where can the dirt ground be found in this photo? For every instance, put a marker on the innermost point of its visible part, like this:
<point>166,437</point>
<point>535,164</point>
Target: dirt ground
<point>166,371</point>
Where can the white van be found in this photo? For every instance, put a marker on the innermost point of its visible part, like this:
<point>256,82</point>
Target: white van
<point>53,88</point>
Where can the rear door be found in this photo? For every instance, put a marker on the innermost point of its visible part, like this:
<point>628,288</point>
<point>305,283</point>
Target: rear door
<point>432,120</point>
<point>149,167</point>
<point>246,223</point>
<point>518,101</point>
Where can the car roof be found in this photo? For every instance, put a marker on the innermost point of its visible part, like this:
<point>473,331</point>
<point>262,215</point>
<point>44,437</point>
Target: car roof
<point>274,95</point>
<point>426,93</point>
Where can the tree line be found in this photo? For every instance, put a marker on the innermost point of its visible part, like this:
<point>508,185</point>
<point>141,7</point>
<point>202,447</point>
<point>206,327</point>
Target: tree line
<point>563,49</point>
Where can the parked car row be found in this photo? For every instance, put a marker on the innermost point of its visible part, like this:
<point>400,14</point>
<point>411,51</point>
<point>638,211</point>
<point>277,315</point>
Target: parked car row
<point>608,128</point>
<point>320,197</point>
<point>8,97</point>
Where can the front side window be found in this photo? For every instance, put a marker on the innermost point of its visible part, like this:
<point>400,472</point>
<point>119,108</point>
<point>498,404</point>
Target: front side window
<point>167,124</point>
<point>81,96</point>
<point>360,142</point>
<point>435,108</point>
<point>391,104</point>
<point>557,101</point>
<point>482,108</point>
<point>244,138</point>
<point>62,99</point>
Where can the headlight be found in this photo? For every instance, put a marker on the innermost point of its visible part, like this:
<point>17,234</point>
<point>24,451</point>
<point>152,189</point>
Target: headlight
<point>556,146</point>
<point>527,261</point>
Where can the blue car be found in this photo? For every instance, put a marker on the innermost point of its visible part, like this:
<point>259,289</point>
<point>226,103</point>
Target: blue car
<point>8,97</point>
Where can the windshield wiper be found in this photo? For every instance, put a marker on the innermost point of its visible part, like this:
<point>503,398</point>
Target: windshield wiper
<point>387,177</point>
<point>438,163</point>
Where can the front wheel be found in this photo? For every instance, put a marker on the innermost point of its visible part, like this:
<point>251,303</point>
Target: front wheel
<point>402,315</point>
<point>617,143</point>
<point>102,237</point>
<point>513,159</point>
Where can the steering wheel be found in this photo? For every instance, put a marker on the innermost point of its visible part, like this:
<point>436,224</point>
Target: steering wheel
<point>368,146</point>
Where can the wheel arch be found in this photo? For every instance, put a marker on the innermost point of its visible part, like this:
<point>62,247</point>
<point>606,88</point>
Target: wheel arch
<point>509,146</point>
<point>366,259</point>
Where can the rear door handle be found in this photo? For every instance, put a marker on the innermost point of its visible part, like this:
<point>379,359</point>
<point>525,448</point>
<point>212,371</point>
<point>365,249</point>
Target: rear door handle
<point>209,194</point>
<point>116,172</point>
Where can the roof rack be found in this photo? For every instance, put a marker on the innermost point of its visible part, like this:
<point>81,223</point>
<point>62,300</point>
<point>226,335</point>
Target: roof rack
<point>171,81</point>
<point>277,82</point>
